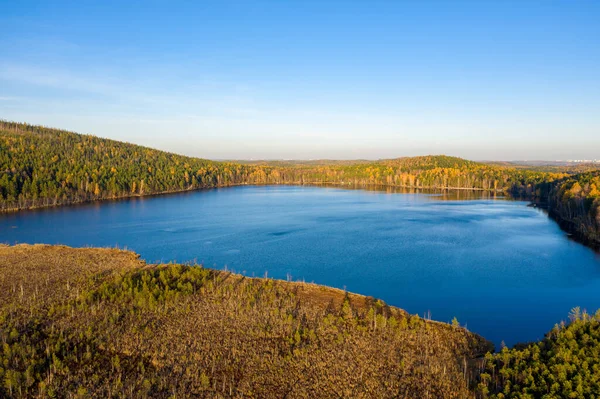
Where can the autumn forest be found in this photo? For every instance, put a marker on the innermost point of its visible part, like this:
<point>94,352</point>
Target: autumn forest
<point>91,322</point>
<point>41,167</point>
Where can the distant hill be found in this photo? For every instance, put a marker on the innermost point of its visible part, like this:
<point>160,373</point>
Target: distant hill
<point>549,166</point>
<point>430,162</point>
<point>41,167</point>
<point>417,162</point>
<point>300,162</point>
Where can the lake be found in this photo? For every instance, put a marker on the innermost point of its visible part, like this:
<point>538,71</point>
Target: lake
<point>504,269</point>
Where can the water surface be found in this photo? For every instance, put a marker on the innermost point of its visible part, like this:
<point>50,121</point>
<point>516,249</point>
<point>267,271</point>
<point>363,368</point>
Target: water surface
<point>504,269</point>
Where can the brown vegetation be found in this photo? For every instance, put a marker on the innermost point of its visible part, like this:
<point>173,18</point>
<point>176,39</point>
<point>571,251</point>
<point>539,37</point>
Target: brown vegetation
<point>102,323</point>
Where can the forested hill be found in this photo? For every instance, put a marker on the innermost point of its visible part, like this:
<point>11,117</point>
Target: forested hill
<point>427,172</point>
<point>407,163</point>
<point>41,167</point>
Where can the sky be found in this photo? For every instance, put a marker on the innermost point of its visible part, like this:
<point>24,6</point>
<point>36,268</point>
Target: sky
<point>484,80</point>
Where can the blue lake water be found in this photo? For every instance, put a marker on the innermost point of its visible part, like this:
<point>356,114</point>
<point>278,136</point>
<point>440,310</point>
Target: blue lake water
<point>501,267</point>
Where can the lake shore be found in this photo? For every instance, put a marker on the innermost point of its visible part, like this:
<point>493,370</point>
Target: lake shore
<point>418,251</point>
<point>567,225</point>
<point>160,330</point>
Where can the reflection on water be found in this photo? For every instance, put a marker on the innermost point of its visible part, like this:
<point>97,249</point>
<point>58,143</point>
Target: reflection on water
<point>501,267</point>
<point>445,195</point>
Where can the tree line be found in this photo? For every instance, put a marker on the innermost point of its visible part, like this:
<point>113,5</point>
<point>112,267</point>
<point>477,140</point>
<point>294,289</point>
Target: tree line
<point>575,201</point>
<point>565,364</point>
<point>42,167</point>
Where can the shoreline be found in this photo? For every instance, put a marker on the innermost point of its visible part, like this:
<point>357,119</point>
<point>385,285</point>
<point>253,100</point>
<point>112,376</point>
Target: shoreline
<point>565,225</point>
<point>171,192</point>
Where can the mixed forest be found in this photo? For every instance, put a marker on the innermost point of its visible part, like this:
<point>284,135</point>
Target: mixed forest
<point>565,364</point>
<point>575,202</point>
<point>41,167</point>
<point>101,323</point>
<point>91,322</point>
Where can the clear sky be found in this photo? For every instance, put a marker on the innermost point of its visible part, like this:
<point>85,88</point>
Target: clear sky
<point>311,79</point>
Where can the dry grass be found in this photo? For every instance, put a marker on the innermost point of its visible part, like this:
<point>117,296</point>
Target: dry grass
<point>39,273</point>
<point>102,323</point>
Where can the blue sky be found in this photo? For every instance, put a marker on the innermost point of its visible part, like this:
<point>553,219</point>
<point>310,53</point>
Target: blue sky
<point>311,79</point>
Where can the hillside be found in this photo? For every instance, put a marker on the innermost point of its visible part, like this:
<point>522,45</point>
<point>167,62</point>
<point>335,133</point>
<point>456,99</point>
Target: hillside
<point>575,203</point>
<point>42,167</point>
<point>102,323</point>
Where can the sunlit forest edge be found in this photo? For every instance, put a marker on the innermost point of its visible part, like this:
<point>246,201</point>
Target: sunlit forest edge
<point>42,167</point>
